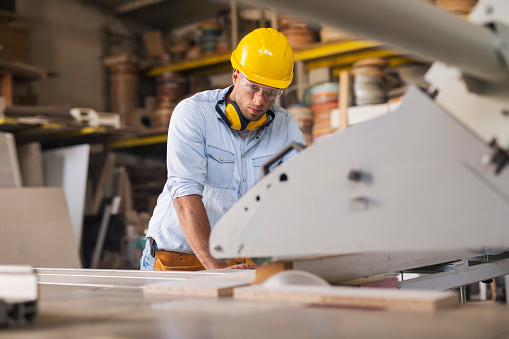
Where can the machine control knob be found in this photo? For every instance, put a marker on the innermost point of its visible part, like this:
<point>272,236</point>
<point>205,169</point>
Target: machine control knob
<point>355,175</point>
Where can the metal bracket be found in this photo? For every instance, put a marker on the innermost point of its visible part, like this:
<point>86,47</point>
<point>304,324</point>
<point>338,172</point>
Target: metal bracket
<point>17,313</point>
<point>457,278</point>
<point>498,157</point>
<point>18,295</point>
<point>278,156</point>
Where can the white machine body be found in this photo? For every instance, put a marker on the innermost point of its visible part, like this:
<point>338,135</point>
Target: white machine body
<point>428,178</point>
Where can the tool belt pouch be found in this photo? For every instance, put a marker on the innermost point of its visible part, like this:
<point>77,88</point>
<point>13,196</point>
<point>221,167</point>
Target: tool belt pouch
<point>173,261</point>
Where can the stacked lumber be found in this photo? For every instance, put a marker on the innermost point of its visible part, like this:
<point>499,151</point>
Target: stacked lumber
<point>15,40</point>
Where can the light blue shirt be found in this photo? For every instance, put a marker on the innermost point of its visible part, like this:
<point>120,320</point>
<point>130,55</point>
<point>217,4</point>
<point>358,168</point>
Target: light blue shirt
<point>207,158</point>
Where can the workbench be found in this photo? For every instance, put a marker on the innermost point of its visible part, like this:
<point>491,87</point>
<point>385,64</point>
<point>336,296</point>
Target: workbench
<point>77,306</point>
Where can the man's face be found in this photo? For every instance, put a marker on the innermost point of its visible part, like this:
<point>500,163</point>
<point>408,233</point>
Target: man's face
<point>252,105</point>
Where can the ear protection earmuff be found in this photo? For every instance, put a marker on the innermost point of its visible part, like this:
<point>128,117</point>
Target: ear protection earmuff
<point>233,117</point>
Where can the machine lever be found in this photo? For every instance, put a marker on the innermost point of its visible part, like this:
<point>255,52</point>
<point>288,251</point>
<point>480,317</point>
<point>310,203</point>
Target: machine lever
<point>276,157</point>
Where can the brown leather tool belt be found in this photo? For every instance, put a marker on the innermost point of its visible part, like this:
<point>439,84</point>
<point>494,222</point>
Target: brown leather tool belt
<point>177,261</point>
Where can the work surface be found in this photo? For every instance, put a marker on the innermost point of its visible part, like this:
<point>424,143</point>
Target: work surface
<point>124,311</point>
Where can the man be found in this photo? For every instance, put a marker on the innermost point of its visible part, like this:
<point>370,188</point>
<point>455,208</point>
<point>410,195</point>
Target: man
<point>217,142</point>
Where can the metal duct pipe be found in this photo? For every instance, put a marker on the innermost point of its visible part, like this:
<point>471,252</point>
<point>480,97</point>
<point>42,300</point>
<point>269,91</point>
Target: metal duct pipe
<point>410,25</point>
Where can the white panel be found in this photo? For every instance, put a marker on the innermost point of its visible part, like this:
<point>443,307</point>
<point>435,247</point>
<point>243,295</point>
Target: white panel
<point>10,175</point>
<point>67,167</point>
<point>424,187</point>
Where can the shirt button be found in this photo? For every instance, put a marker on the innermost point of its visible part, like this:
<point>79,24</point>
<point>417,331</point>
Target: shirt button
<point>243,156</point>
<point>221,159</point>
<point>244,179</point>
<point>257,137</point>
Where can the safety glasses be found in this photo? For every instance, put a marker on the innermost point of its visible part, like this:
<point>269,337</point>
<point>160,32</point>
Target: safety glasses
<point>269,93</point>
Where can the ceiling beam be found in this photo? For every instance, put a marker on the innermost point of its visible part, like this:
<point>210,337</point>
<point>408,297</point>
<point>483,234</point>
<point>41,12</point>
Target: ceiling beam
<point>135,5</point>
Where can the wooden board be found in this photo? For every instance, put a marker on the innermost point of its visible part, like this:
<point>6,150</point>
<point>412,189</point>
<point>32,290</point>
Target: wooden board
<point>15,41</point>
<point>10,174</point>
<point>6,87</point>
<point>154,43</point>
<point>344,88</point>
<point>351,296</point>
<point>104,183</point>
<point>212,287</point>
<point>35,228</point>
<point>30,163</point>
<point>67,167</point>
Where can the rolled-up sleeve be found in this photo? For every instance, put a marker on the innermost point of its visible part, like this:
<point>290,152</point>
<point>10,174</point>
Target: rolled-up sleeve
<point>186,157</point>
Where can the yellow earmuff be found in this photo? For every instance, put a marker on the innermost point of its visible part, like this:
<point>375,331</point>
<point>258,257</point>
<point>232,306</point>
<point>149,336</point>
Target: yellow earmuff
<point>234,119</point>
<point>237,120</point>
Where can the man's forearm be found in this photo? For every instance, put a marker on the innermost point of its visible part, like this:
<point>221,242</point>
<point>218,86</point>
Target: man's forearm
<point>195,224</point>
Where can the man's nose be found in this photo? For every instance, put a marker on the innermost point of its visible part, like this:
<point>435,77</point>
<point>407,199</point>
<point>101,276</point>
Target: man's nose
<point>259,97</point>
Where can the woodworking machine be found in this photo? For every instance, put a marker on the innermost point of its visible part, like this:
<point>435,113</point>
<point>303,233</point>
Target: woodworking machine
<point>423,185</point>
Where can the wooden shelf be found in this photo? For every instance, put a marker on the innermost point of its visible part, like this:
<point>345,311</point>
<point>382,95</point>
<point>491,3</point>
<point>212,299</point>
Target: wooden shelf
<point>342,51</point>
<point>321,50</point>
<point>51,133</point>
<point>336,55</point>
<point>191,64</point>
<point>23,70</point>
<point>139,141</point>
<point>333,54</point>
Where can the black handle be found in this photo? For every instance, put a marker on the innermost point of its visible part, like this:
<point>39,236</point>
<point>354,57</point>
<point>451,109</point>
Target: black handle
<point>276,157</point>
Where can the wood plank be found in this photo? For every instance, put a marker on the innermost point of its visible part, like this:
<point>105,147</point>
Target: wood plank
<point>344,88</point>
<point>154,43</point>
<point>35,228</point>
<point>211,287</point>
<point>67,167</point>
<point>101,237</point>
<point>23,70</point>
<point>10,174</point>
<point>127,192</point>
<point>53,111</point>
<point>6,87</point>
<point>89,197</point>
<point>351,297</point>
<point>103,182</point>
<point>30,162</point>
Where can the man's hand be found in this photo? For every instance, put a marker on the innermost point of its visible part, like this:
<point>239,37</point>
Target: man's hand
<point>242,267</point>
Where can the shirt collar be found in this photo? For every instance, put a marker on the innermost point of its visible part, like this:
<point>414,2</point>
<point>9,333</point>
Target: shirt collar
<point>221,96</point>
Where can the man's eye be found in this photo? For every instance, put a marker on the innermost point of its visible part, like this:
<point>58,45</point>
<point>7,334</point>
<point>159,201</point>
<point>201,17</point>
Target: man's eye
<point>254,88</point>
<point>271,92</point>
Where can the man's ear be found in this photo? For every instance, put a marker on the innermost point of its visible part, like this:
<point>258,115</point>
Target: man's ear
<point>235,75</point>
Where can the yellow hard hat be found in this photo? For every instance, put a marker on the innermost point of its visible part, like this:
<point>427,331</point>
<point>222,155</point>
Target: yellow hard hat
<point>265,56</point>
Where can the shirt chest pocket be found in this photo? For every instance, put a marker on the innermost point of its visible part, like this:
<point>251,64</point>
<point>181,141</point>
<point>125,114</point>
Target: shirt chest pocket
<point>220,166</point>
<point>258,163</point>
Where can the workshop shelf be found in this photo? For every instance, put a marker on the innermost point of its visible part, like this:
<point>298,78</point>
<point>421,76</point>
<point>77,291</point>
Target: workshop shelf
<point>337,55</point>
<point>139,141</point>
<point>333,54</point>
<point>215,60</point>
